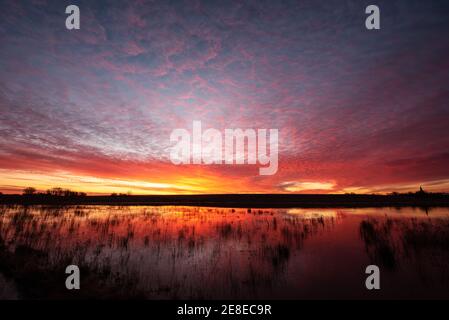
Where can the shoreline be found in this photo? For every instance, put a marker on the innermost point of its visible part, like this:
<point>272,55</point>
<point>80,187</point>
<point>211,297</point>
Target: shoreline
<point>241,200</point>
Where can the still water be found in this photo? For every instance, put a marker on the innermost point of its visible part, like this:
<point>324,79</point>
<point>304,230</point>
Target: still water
<point>173,252</point>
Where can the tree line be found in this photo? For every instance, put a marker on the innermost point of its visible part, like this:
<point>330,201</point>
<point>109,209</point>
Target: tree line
<point>54,192</point>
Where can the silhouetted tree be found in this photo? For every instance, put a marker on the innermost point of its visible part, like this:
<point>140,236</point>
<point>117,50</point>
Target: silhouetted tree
<point>59,192</point>
<point>29,191</point>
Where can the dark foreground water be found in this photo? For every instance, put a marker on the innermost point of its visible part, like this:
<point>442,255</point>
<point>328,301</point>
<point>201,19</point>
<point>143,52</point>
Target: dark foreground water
<point>215,253</point>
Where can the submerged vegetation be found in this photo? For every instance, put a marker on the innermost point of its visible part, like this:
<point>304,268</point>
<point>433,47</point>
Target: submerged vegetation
<point>398,243</point>
<point>150,252</point>
<point>171,252</point>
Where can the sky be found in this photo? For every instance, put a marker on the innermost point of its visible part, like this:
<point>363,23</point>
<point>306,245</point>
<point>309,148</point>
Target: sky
<point>92,109</point>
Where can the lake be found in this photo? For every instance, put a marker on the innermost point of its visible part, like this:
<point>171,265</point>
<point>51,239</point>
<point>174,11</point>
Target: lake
<point>174,252</point>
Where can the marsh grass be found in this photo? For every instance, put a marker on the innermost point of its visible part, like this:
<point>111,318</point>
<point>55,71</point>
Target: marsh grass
<point>185,252</point>
<point>403,243</point>
<point>149,252</point>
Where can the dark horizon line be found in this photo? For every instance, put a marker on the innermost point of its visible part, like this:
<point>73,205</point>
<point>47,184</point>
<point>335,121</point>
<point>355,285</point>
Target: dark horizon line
<point>281,200</point>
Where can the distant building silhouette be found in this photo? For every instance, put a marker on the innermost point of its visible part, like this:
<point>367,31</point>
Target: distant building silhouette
<point>421,190</point>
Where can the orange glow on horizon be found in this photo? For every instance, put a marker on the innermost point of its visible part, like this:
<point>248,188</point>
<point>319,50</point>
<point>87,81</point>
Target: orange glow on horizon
<point>197,182</point>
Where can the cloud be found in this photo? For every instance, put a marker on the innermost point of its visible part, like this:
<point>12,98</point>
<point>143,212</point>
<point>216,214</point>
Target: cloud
<point>361,110</point>
<point>296,186</point>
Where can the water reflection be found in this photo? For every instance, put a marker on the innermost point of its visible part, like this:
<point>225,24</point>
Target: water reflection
<point>422,242</point>
<point>194,252</point>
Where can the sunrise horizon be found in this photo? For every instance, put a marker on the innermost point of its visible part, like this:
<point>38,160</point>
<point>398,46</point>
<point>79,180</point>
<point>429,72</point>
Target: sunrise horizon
<point>132,187</point>
<point>232,157</point>
<point>94,109</point>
